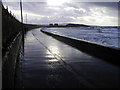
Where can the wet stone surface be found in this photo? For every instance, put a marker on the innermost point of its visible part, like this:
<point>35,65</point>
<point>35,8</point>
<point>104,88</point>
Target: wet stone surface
<point>49,63</point>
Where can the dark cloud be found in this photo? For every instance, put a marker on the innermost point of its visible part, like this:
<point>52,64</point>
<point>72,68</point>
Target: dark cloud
<point>111,5</point>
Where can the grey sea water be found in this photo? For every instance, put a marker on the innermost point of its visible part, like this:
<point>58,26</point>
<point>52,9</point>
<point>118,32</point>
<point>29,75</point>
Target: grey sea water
<point>107,36</point>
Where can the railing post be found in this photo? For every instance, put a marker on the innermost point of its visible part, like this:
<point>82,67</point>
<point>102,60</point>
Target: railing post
<point>22,25</point>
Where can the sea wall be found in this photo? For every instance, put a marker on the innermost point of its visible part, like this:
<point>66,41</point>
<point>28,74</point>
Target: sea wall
<point>9,62</point>
<point>10,27</point>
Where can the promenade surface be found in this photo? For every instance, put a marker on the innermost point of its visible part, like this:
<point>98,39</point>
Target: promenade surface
<point>49,63</point>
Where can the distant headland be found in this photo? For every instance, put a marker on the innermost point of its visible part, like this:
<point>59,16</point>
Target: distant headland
<point>65,25</point>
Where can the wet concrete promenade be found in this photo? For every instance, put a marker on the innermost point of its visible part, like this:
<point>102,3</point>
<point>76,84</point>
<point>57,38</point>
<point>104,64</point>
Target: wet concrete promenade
<point>49,63</point>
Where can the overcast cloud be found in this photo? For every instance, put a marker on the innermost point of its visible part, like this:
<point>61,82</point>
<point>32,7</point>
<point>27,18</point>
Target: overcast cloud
<point>92,13</point>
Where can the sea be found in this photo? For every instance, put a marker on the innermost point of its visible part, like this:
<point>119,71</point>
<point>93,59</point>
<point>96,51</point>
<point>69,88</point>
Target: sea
<point>104,35</point>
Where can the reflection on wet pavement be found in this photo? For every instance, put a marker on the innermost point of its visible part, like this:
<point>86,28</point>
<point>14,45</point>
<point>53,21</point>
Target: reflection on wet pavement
<point>51,63</point>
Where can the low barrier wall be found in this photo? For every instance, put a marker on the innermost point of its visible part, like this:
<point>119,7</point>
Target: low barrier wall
<point>9,62</point>
<point>106,53</point>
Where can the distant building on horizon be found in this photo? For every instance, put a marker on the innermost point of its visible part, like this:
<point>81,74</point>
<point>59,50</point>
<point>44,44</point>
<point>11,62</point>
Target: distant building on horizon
<point>50,24</point>
<point>56,24</point>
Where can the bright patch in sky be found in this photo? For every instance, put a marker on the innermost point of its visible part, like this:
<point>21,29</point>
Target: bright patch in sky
<point>56,2</point>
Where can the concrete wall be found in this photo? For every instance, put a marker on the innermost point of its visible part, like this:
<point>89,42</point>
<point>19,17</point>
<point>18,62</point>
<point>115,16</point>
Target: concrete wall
<point>10,28</point>
<point>9,62</point>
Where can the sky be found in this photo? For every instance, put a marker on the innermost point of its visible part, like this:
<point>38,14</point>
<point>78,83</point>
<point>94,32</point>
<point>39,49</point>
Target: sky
<point>66,11</point>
